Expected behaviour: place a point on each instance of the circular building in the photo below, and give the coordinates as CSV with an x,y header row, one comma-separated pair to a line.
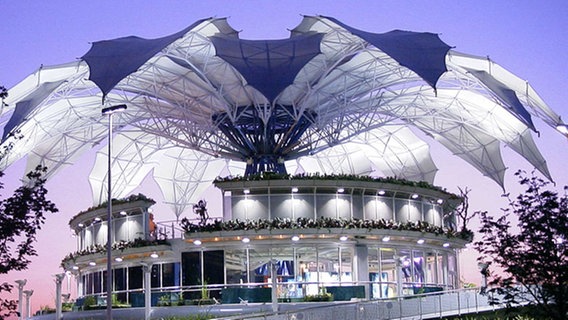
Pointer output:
x,y
310,237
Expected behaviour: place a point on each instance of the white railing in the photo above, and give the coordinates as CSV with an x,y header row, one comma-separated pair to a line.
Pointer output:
x,y
169,230
424,306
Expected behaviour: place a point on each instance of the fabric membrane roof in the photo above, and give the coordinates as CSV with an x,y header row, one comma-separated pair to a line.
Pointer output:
x,y
331,98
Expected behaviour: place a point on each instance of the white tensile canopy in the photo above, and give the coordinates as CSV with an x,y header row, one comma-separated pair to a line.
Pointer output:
x,y
329,99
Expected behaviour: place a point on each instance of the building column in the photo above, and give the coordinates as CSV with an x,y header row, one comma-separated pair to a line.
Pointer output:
x,y
28,294
147,267
361,267
58,281
21,284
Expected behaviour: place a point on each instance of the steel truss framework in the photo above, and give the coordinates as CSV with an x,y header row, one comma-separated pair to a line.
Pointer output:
x,y
194,113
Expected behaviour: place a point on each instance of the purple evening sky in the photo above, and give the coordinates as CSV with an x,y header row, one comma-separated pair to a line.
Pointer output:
x,y
527,37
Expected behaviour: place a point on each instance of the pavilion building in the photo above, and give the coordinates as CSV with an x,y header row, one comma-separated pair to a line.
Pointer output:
x,y
346,236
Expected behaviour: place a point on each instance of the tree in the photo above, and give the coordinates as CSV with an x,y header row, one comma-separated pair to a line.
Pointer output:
x,y
533,258
21,216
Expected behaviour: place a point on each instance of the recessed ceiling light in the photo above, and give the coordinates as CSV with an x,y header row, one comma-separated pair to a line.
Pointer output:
x,y
386,239
197,242
295,238
343,238
245,240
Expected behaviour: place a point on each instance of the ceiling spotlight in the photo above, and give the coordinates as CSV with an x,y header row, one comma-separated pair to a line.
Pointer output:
x,y
118,259
340,190
343,238
295,189
80,225
295,238
75,268
414,196
440,201
381,192
154,255
123,213
197,242
386,239
445,245
92,263
420,241
97,219
245,240
246,191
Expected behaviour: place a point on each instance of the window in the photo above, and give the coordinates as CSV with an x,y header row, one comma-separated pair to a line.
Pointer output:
x,y
135,278
191,268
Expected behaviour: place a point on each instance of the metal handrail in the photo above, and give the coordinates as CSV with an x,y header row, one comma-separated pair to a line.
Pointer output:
x,y
420,306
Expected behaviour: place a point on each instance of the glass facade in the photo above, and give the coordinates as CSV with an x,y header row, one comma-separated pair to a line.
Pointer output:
x,y
348,262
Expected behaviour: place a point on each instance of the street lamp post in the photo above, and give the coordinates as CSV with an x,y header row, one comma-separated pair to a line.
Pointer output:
x,y
58,281
110,111
28,294
21,284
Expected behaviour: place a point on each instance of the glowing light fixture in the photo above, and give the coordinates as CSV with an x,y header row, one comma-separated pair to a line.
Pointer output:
x,y
381,192
245,240
92,263
295,189
386,239
415,196
420,241
154,255
446,245
118,259
197,242
246,191
123,213
343,238
295,238
340,190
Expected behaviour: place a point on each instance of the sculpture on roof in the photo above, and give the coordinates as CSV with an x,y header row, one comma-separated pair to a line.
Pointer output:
x,y
330,99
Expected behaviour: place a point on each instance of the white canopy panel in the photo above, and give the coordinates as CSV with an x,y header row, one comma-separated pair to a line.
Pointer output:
x,y
331,98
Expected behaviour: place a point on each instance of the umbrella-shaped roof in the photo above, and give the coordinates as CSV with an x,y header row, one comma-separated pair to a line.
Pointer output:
x,y
330,98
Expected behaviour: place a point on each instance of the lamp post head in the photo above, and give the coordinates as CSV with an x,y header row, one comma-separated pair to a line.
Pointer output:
x,y
21,283
59,277
28,293
113,109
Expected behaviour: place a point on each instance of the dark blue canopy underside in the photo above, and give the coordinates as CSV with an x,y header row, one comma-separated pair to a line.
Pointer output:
x,y
110,61
422,52
268,65
25,107
507,97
